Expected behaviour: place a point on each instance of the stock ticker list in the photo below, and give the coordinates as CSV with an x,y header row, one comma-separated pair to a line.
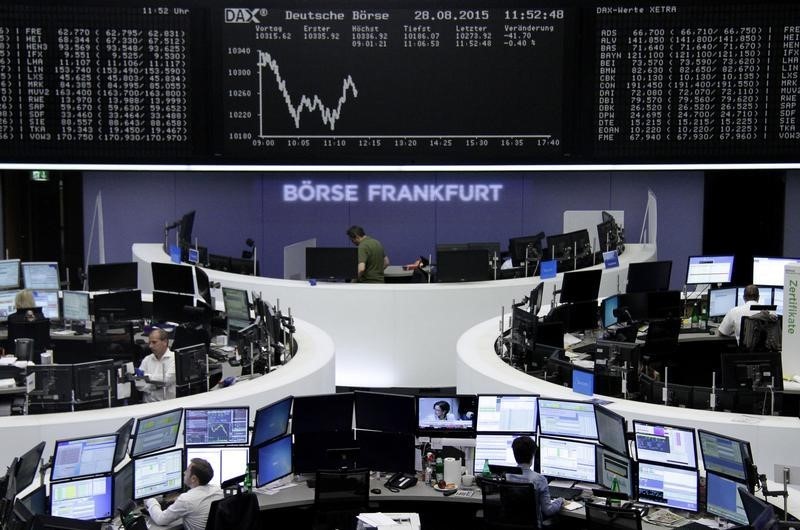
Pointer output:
x,y
698,80
94,80
416,84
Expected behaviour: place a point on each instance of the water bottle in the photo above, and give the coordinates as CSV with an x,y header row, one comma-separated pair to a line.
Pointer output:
x,y
486,471
439,469
615,489
248,479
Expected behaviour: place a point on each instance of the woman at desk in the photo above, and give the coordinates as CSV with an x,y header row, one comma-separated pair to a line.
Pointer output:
x,y
26,310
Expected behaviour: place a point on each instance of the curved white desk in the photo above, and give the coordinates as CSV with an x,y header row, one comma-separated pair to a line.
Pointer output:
x,y
774,440
394,335
311,371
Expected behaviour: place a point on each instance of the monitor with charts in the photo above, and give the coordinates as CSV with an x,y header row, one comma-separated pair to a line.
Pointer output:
x,y
567,459
709,269
83,457
673,487
770,270
41,275
507,413
216,426
724,455
665,444
156,432
85,499
574,419
48,301
9,274
496,449
158,474
723,499
76,306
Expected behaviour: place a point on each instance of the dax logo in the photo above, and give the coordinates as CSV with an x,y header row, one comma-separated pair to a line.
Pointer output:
x,y
242,15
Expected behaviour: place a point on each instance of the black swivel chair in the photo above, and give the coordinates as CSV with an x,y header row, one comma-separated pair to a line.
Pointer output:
x,y
38,330
339,496
239,511
760,333
602,516
510,506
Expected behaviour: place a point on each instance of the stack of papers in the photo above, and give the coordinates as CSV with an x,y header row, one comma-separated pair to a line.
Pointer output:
x,y
664,517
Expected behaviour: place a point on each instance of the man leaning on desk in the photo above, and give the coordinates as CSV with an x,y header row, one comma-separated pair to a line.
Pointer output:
x,y
524,448
191,507
158,369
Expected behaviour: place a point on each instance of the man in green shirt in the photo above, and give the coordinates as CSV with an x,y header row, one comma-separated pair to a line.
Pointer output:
x,y
371,258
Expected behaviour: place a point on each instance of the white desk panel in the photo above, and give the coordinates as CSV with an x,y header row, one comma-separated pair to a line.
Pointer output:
x,y
774,439
395,335
311,371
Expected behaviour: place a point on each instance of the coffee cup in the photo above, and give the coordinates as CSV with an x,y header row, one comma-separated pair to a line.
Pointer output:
x,y
467,480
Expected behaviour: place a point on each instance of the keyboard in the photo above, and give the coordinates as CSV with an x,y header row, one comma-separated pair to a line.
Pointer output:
x,y
566,493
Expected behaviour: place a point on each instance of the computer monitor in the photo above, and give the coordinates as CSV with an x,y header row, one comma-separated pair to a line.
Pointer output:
x,y
76,306
271,421
191,366
612,465
377,411
722,498
156,432
496,449
216,426
323,413
44,275
646,276
158,474
724,455
7,305
391,452
227,462
173,277
568,246
313,451
93,381
123,485
9,274
567,459
85,499
519,246
720,301
607,308
27,466
579,286
751,370
185,226
273,460
770,270
236,307
611,429
673,487
575,419
709,269
53,383
665,444
537,293
113,276
469,265
507,413
123,438
609,235
169,307
446,415
121,305
777,300
36,501
332,263
83,457
760,514
663,304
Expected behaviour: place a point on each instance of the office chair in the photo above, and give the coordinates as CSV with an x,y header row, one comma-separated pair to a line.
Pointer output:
x,y
239,511
758,333
38,330
510,505
339,496
602,516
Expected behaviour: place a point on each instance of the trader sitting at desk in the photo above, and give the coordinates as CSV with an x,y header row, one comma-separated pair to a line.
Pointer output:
x,y
26,308
732,322
524,448
158,368
191,507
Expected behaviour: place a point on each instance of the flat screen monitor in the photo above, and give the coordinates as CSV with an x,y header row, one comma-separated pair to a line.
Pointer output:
x,y
673,487
185,226
121,305
496,448
579,286
665,444
469,265
323,413
537,293
377,411
723,499
271,421
274,460
85,499
48,301
93,380
749,370
777,300
568,246
169,307
123,438
53,383
760,514
7,305
43,275
575,419
9,274
608,235
770,271
610,466
567,459
391,452
216,426
227,462
313,451
507,413
764,295
646,276
36,501
191,366
519,247
446,415
236,303
720,301
123,485
113,276
611,429
76,306
173,278
83,457
332,263
724,455
607,308
663,304
27,466
158,474
709,269
576,317
156,432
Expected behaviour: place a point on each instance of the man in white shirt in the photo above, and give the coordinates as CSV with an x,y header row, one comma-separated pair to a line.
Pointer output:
x,y
159,367
732,322
191,507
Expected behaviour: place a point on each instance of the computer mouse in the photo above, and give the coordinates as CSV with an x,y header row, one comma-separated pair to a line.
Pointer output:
x,y
376,491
